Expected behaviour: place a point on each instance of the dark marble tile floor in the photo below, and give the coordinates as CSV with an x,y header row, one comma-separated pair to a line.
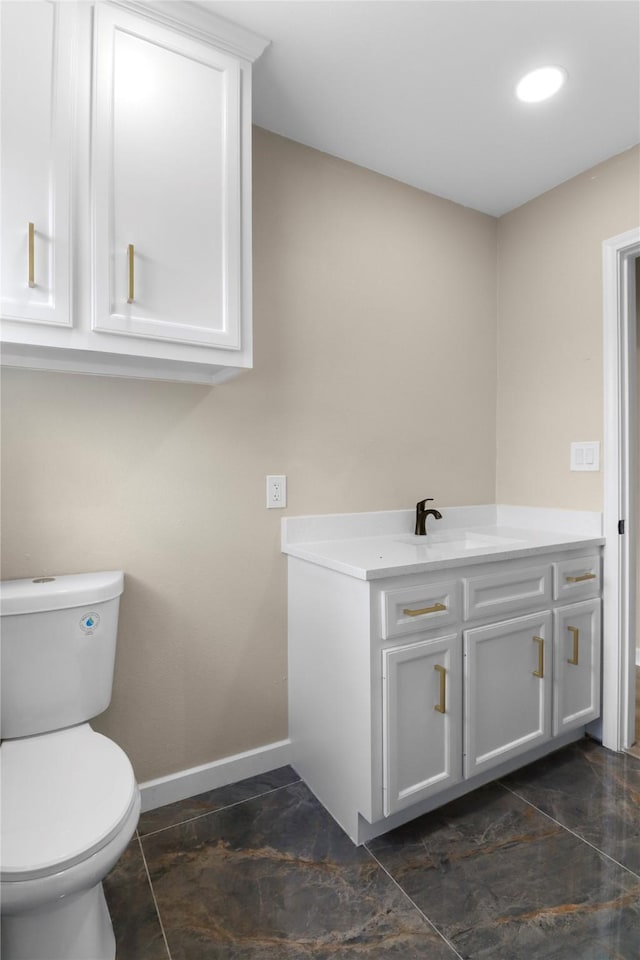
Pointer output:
x,y
204,803
544,865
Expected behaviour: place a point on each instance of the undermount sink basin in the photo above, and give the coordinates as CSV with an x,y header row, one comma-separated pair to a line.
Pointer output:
x,y
456,541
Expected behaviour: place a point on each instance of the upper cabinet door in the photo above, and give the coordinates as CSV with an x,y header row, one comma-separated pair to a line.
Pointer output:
x,y
37,56
166,159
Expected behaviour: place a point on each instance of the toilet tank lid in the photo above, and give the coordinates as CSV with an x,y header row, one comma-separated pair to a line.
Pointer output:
x,y
40,594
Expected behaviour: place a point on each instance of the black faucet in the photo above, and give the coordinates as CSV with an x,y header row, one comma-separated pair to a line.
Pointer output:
x,y
421,517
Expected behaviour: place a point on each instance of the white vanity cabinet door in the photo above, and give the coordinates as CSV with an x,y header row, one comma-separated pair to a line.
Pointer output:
x,y
508,703
37,57
166,161
577,642
422,720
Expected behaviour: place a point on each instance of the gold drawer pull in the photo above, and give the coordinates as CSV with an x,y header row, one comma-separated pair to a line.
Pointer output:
x,y
585,576
130,252
576,638
32,256
442,706
436,608
540,671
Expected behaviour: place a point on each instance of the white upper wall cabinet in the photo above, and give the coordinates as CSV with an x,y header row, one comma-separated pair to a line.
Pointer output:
x,y
159,199
166,182
36,135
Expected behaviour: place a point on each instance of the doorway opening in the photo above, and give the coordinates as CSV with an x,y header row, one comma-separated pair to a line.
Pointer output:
x,y
621,426
635,480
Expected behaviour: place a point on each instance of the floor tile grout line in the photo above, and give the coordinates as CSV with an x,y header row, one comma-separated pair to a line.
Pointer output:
x,y
569,830
153,895
228,806
413,903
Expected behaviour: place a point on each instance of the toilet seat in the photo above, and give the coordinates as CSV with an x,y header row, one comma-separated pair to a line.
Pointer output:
x,y
65,795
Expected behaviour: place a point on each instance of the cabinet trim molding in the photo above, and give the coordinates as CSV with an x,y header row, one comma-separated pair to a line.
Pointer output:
x,y
201,24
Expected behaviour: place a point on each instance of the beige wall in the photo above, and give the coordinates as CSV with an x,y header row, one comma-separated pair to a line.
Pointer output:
x,y
550,384
374,386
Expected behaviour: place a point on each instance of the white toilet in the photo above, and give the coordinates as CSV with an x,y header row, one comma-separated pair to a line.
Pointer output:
x,y
70,803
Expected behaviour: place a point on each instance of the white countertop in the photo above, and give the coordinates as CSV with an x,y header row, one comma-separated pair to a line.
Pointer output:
x,y
394,553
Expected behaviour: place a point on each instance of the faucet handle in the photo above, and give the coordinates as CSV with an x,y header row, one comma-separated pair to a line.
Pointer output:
x,y
420,504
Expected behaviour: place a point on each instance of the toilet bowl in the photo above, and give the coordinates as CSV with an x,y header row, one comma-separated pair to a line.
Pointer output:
x,y
69,799
70,806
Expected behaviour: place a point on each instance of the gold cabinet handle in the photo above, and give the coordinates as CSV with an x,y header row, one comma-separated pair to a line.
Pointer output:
x,y
540,671
130,253
436,608
585,576
32,255
442,706
576,638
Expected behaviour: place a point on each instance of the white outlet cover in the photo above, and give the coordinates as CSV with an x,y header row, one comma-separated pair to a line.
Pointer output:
x,y
276,492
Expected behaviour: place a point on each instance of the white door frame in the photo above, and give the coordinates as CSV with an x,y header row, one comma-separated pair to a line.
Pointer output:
x,y
620,427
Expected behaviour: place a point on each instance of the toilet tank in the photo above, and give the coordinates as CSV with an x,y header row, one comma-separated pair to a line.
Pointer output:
x,y
57,650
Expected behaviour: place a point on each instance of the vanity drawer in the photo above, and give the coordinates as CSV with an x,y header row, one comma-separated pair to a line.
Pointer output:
x,y
577,579
512,591
425,607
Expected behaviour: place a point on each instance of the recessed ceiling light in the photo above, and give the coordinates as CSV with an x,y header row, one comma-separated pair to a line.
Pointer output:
x,y
540,84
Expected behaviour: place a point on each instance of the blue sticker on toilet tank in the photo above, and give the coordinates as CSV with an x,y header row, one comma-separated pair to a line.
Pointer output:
x,y
89,623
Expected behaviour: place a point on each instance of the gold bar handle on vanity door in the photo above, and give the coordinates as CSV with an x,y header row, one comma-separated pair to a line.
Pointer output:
x,y
585,576
32,255
442,706
576,638
436,608
130,252
540,671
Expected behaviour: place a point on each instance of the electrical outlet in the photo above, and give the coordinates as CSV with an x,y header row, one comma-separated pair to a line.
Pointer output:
x,y
276,492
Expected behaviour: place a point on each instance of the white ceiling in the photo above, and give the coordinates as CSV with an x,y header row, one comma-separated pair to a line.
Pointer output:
x,y
423,90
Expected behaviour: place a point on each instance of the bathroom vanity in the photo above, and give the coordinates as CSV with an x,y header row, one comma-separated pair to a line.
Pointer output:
x,y
422,667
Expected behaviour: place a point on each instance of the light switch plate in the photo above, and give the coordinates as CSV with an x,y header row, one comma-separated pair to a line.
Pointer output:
x,y
585,455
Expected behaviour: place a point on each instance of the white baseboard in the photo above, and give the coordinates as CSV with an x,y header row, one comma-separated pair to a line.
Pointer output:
x,y
189,783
